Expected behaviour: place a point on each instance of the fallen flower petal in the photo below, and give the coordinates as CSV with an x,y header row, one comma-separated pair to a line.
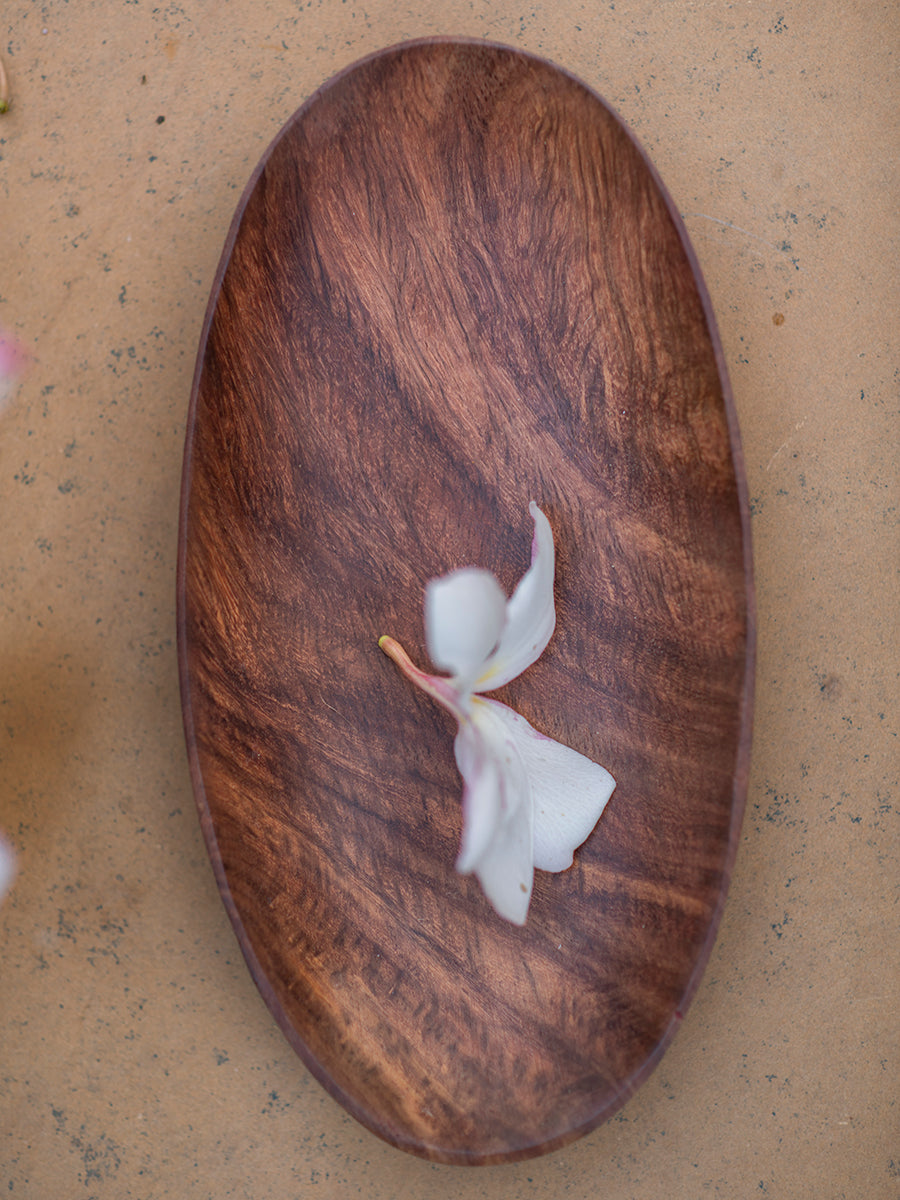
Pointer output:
x,y
465,613
12,364
568,791
530,613
528,801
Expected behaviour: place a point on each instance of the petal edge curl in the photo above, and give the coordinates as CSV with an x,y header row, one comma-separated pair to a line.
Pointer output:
x,y
530,613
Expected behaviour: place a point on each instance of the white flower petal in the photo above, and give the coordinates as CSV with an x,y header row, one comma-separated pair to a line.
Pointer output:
x,y
506,874
530,613
464,615
497,812
482,801
569,792
528,801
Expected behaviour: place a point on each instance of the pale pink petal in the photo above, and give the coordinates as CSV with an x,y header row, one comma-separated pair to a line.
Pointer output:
x,y
12,356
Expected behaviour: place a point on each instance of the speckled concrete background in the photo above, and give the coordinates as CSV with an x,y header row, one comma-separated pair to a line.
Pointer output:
x,y
137,1059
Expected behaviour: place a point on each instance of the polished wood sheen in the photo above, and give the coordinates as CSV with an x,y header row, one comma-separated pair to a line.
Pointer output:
x,y
455,284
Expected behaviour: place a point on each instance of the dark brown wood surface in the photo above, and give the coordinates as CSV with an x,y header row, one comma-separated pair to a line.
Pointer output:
x,y
455,285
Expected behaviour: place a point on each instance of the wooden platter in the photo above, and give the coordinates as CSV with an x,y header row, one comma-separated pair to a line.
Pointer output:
x,y
453,285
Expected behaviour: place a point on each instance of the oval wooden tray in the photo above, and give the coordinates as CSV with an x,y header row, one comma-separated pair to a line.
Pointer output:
x,y
455,284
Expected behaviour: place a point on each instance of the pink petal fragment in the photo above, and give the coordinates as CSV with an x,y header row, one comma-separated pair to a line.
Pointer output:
x,y
12,363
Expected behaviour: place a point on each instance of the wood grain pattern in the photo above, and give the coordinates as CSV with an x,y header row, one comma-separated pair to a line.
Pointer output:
x,y
454,285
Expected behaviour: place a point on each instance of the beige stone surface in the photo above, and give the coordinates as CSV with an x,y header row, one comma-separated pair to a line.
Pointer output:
x,y
136,1056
